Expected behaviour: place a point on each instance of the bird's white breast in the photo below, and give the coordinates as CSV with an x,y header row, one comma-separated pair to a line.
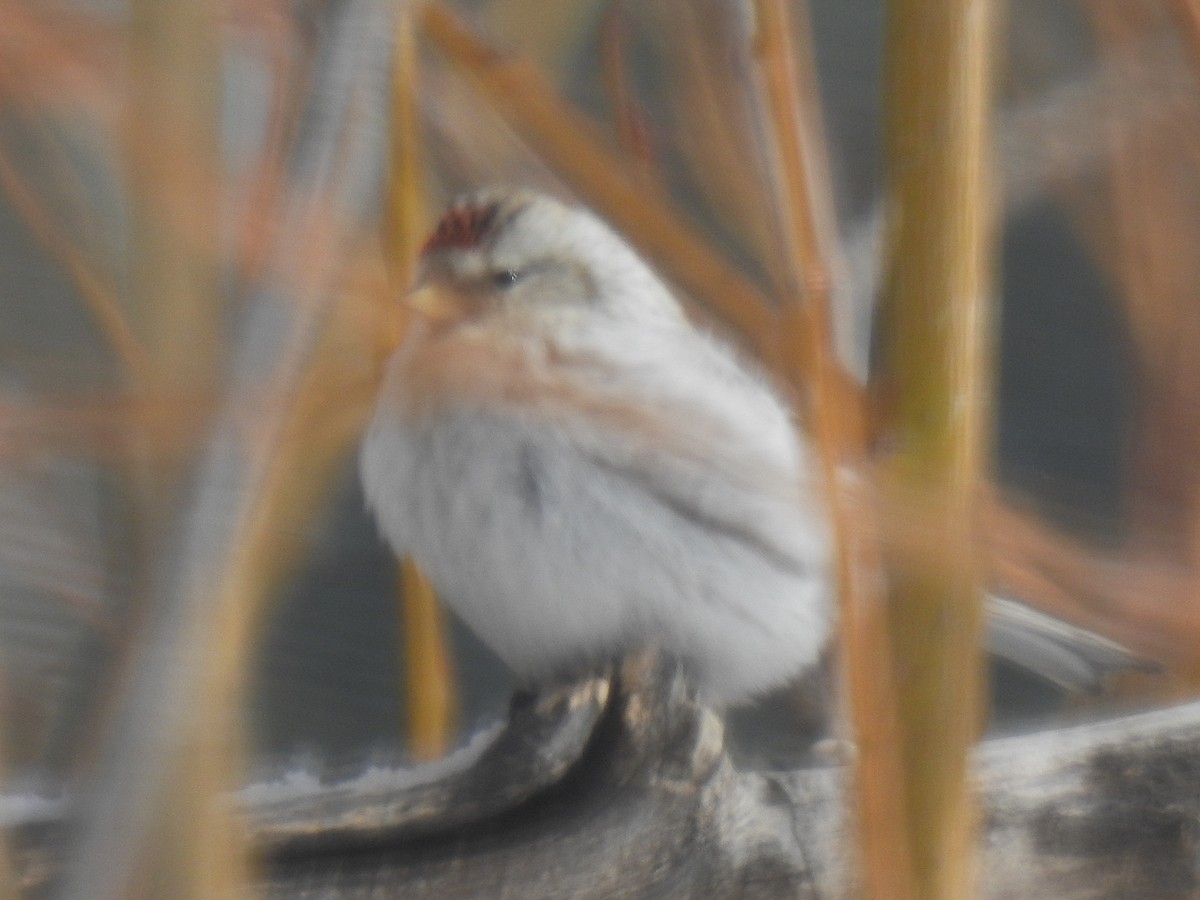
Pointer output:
x,y
561,543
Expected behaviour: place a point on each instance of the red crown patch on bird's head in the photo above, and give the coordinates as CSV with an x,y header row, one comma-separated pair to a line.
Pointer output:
x,y
463,227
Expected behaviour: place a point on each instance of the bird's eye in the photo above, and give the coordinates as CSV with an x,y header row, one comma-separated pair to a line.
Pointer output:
x,y
505,278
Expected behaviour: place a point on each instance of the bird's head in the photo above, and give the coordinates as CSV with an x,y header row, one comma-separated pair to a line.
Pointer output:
x,y
525,262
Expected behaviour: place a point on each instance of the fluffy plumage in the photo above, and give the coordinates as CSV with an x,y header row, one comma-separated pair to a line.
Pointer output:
x,y
580,470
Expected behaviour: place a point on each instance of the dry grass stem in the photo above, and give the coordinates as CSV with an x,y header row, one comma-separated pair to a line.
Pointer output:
x,y
59,61
273,443
633,131
711,109
550,34
576,152
1148,603
99,297
1141,235
430,691
1156,208
432,699
808,359
934,405
171,141
291,69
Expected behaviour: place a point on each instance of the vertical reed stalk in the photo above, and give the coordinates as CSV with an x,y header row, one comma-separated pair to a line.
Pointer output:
x,y
802,180
571,146
432,701
173,164
98,297
628,117
429,680
172,152
933,403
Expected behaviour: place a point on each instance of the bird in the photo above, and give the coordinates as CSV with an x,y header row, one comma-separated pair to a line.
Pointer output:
x,y
581,471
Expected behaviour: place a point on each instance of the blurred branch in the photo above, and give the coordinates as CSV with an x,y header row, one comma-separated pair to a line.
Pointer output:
x,y
934,413
54,60
51,59
1061,135
629,118
1148,603
406,218
553,35
571,145
255,481
808,359
625,789
1146,243
707,110
100,299
171,146
1105,810
289,60
431,694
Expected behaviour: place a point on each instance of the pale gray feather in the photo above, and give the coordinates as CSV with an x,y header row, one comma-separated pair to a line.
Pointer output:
x,y
1071,657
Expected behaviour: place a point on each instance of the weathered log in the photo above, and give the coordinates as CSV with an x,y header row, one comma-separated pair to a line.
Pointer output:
x,y
624,789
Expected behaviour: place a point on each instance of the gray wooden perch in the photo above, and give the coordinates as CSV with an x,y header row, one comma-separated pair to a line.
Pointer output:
x,y
623,788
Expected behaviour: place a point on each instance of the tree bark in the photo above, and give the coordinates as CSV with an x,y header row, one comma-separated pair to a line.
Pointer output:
x,y
623,788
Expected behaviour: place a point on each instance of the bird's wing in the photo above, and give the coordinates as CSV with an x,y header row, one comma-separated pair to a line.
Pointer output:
x,y
1063,654
705,438
672,411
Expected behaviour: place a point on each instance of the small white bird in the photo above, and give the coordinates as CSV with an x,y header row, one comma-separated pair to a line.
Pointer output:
x,y
581,471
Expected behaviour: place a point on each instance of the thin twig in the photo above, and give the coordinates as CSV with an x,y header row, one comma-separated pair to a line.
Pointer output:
x,y
628,116
571,146
430,690
257,476
808,358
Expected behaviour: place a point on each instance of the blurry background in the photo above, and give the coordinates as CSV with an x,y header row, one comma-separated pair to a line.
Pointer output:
x,y
104,435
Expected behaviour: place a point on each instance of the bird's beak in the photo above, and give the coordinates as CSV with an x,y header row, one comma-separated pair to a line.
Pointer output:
x,y
436,304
